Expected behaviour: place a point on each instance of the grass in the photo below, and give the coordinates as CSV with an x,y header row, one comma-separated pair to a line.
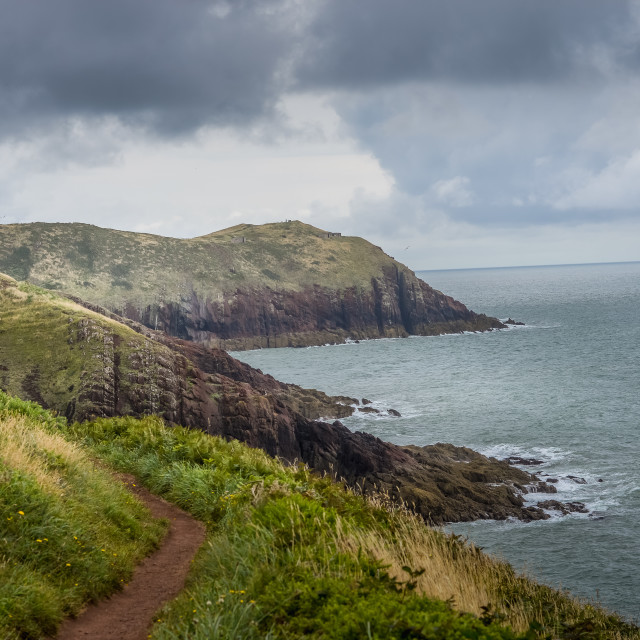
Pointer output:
x,y
288,554
63,355
69,534
78,259
292,555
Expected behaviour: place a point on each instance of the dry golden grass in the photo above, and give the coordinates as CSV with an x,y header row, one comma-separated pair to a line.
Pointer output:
x,y
470,579
36,452
418,547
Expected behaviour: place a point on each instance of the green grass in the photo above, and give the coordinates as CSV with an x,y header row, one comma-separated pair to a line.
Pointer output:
x,y
292,555
69,534
62,354
288,554
79,259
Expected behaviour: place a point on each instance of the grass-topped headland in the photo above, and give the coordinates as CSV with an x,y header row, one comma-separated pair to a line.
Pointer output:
x,y
87,363
289,554
280,284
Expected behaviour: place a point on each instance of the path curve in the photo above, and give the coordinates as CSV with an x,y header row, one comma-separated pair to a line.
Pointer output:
x,y
128,614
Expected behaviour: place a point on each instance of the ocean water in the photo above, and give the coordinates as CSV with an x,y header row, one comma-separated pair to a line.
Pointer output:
x,y
564,388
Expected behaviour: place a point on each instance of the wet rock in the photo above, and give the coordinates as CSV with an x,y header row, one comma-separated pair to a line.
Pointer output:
x,y
523,461
393,412
539,487
597,515
577,479
365,401
563,507
554,480
368,410
514,322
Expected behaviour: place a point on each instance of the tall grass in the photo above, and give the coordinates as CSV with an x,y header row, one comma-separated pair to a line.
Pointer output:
x,y
69,534
292,555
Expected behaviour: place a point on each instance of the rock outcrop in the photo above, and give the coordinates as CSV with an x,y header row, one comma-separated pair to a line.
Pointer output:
x,y
86,364
285,284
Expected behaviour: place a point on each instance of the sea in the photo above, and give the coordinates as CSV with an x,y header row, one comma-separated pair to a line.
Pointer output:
x,y
564,389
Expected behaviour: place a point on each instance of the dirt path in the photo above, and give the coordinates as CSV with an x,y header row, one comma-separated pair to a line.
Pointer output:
x,y
127,615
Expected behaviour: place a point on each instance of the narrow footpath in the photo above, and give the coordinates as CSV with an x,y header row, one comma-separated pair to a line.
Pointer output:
x,y
128,614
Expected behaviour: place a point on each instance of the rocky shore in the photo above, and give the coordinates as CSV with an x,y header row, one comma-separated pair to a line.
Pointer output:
x,y
83,362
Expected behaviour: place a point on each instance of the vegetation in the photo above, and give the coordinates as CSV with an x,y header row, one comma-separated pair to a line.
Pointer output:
x,y
79,259
69,534
293,555
288,554
61,354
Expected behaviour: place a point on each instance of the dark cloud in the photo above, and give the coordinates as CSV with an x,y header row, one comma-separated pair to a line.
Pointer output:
x,y
172,65
356,44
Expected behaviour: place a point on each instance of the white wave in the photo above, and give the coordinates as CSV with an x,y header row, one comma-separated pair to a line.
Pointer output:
x,y
548,455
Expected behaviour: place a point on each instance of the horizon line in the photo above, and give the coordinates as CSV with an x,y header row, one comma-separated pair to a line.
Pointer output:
x,y
533,266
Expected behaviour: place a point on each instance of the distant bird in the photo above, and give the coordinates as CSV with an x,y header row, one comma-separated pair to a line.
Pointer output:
x,y
407,247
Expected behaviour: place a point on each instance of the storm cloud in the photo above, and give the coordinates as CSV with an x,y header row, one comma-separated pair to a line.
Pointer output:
x,y
464,118
356,44
168,66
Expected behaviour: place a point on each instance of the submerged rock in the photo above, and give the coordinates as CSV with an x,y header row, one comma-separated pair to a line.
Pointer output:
x,y
368,410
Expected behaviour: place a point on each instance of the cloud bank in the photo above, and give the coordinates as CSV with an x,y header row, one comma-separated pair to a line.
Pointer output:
x,y
410,122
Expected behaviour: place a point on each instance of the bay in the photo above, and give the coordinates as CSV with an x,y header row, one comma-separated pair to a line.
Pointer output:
x,y
564,389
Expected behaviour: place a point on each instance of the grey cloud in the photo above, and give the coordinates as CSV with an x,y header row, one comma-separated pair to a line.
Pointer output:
x,y
516,155
356,44
169,65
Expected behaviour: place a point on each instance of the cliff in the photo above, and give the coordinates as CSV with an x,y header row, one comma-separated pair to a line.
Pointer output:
x,y
86,364
284,284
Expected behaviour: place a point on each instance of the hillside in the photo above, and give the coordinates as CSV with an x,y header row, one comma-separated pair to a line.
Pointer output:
x,y
84,364
288,554
281,284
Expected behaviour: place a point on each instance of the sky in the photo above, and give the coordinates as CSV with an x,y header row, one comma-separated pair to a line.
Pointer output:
x,y
452,133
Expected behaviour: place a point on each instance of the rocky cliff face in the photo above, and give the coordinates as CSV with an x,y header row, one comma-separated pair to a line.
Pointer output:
x,y
285,284
397,304
84,364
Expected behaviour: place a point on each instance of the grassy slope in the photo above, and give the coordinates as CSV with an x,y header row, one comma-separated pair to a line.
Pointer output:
x,y
39,337
109,267
69,534
291,555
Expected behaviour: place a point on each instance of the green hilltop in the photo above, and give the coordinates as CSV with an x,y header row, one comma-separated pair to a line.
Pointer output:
x,y
111,267
280,284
